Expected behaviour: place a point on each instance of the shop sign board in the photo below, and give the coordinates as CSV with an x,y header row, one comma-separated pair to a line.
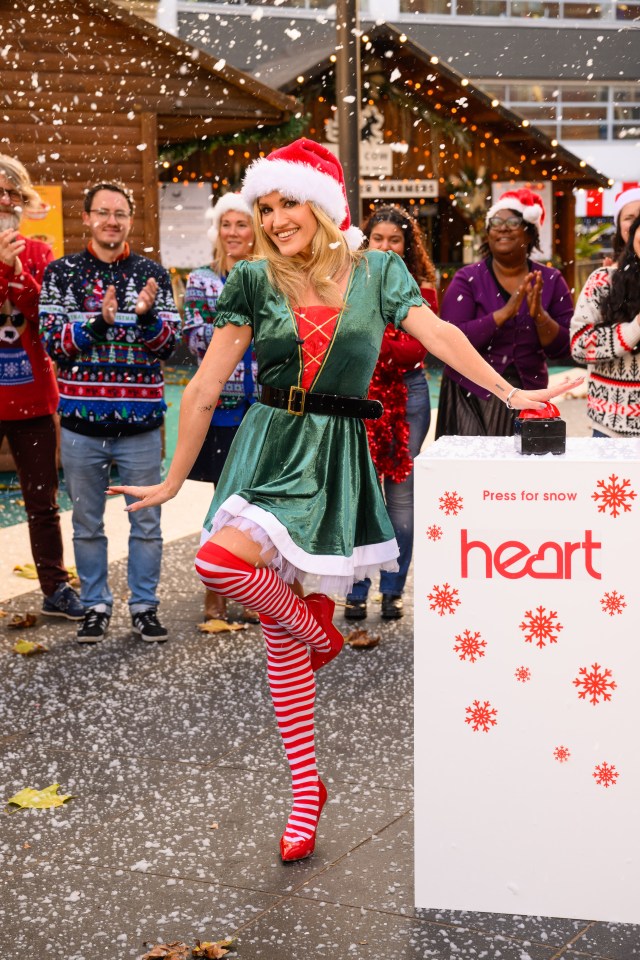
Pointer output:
x,y
397,189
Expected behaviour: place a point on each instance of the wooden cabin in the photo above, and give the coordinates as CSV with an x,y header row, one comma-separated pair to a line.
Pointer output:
x,y
433,141
91,92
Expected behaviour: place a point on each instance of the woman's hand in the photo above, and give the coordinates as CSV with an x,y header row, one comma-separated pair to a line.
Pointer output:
x,y
536,399
534,296
146,496
514,302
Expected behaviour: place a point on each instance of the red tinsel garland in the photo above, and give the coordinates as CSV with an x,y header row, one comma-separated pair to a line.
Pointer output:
x,y
389,436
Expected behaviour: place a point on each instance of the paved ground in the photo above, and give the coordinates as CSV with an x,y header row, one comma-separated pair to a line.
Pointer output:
x,y
181,793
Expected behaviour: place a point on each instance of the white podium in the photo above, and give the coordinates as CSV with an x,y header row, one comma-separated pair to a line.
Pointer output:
x,y
527,679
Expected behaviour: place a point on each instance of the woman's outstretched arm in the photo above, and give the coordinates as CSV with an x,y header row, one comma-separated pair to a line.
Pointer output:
x,y
452,347
198,403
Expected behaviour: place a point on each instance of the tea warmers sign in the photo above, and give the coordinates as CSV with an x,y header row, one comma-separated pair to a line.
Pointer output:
x,y
527,679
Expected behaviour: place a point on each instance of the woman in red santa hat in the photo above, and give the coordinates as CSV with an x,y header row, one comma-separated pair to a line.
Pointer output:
x,y
299,496
515,312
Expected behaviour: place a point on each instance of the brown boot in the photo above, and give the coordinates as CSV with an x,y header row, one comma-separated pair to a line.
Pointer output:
x,y
215,606
249,616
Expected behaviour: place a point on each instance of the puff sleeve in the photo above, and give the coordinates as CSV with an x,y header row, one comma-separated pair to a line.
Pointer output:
x,y
235,303
398,290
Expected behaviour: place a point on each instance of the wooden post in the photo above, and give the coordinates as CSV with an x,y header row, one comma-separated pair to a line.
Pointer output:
x,y
151,212
348,99
565,233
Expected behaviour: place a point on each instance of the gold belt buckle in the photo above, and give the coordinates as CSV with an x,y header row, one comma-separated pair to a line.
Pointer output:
x,y
295,405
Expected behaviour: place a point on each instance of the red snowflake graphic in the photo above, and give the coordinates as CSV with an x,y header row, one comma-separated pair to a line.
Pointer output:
x,y
613,603
451,503
481,716
562,754
434,532
444,599
541,627
595,684
613,495
605,774
522,674
470,646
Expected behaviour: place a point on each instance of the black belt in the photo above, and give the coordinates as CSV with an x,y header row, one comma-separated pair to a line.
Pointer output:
x,y
298,401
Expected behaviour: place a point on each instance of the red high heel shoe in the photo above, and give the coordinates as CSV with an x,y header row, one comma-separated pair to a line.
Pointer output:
x,y
299,849
322,607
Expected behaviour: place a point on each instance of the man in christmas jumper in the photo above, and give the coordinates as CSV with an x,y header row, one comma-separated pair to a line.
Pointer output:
x,y
108,319
28,391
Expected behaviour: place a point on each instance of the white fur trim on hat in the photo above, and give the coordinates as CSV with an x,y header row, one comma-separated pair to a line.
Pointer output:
x,y
354,237
227,202
298,181
627,196
532,213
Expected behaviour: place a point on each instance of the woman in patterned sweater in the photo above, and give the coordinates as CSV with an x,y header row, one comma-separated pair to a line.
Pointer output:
x,y
232,238
605,335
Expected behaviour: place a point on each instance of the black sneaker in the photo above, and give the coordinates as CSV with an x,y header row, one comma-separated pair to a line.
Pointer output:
x,y
392,607
94,627
65,602
355,610
148,627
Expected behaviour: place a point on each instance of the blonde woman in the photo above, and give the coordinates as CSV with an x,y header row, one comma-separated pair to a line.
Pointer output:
x,y
299,495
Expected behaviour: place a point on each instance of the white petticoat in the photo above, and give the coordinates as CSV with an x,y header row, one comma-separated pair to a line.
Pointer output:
x,y
289,571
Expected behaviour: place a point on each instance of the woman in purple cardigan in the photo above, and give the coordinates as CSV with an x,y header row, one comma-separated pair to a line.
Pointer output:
x,y
515,313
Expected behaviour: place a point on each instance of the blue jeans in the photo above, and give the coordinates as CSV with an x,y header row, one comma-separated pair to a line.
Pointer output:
x,y
86,462
399,496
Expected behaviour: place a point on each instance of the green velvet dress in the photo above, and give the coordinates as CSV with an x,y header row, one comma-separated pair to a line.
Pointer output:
x,y
305,485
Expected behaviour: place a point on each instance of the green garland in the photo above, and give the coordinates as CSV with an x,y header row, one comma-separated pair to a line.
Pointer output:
x,y
281,133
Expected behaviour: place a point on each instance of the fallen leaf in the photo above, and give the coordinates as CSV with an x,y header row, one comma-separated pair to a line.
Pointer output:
x,y
27,570
220,626
214,826
28,647
177,950
20,622
3,613
40,799
212,951
362,639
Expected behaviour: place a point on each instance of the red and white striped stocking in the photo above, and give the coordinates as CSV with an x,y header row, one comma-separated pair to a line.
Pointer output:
x,y
293,690
260,589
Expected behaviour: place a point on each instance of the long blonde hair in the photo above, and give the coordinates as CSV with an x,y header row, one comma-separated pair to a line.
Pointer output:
x,y
16,174
330,256
219,258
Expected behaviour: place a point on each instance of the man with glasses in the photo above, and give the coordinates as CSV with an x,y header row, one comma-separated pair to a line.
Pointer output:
x,y
28,391
108,319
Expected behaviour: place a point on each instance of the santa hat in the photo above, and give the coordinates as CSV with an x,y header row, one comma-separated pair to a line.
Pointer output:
x,y
304,171
627,196
523,201
226,203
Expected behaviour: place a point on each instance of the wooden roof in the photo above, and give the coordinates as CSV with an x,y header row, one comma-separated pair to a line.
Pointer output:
x,y
463,103
57,50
